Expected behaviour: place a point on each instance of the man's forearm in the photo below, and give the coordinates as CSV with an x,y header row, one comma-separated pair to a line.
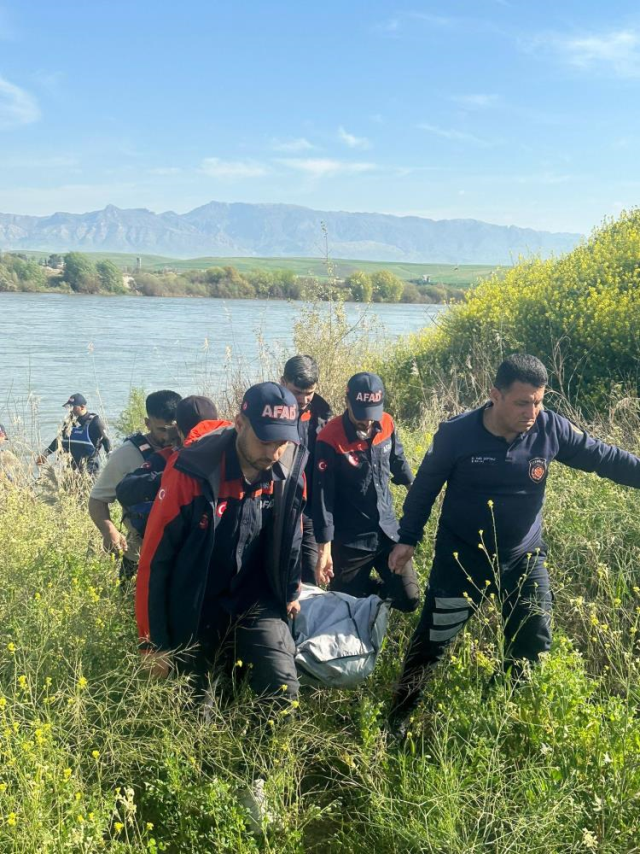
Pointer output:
x,y
100,515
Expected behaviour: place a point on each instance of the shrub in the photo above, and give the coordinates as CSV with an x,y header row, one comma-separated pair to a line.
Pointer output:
x,y
579,313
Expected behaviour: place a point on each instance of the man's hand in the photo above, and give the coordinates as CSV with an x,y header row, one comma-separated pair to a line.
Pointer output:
x,y
324,566
157,663
113,540
399,557
293,609
41,459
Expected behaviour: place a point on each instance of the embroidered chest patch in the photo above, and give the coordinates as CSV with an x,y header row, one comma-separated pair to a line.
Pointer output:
x,y
537,469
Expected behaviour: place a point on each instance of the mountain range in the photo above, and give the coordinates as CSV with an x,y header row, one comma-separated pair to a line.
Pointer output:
x,y
276,230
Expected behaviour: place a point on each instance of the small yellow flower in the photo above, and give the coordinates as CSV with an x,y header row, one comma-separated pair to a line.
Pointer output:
x,y
82,682
3,787
66,773
12,819
455,554
284,687
239,663
11,647
490,503
3,702
22,682
118,826
149,825
78,796
80,817
95,754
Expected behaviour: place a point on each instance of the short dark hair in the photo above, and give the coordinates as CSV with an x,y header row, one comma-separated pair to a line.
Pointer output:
x,y
523,368
162,404
302,371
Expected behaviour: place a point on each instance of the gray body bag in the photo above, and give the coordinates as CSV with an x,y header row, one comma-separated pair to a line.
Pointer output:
x,y
337,637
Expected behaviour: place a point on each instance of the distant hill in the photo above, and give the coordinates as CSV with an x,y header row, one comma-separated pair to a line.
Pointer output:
x,y
246,230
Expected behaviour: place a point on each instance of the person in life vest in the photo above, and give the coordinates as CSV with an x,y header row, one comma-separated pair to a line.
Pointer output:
x,y
161,432
300,376
357,455
81,437
494,461
195,417
219,570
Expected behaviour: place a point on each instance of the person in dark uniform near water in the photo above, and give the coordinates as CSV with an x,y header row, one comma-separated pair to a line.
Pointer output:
x,y
300,377
494,461
81,437
357,455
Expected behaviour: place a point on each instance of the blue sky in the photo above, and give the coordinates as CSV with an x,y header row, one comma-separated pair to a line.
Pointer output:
x,y
522,113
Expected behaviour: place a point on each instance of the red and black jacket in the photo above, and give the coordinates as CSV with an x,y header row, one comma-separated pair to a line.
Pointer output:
x,y
310,423
352,501
176,554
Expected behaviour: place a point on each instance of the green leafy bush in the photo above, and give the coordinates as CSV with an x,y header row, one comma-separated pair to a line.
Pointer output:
x,y
579,313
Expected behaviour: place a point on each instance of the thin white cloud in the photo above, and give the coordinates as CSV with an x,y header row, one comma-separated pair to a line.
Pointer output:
x,y
324,167
215,167
478,101
291,146
353,141
454,135
617,51
27,161
165,170
17,106
390,27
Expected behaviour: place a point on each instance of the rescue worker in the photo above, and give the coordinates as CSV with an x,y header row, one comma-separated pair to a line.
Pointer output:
x,y
81,437
494,461
300,376
357,454
219,569
195,416
161,433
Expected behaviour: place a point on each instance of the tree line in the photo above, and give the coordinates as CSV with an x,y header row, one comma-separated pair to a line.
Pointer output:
x,y
78,273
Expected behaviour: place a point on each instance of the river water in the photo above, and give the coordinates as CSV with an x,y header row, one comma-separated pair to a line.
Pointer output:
x,y
54,345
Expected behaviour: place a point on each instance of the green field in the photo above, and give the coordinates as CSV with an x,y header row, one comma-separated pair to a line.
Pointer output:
x,y
461,276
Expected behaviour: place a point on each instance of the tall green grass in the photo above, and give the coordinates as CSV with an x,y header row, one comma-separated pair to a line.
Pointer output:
x,y
96,756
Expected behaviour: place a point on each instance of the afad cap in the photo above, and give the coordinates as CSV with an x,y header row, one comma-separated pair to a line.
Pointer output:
x,y
272,412
76,400
365,393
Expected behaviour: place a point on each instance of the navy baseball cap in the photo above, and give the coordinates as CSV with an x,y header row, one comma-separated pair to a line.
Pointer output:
x,y
194,409
365,393
3,432
272,412
76,400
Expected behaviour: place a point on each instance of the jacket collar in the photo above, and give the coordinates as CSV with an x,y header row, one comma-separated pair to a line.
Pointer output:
x,y
350,430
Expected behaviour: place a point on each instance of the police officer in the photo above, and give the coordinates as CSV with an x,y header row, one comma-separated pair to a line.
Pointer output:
x,y
357,454
219,569
300,377
81,437
494,461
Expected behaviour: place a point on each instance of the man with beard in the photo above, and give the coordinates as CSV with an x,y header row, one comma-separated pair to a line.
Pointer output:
x,y
219,569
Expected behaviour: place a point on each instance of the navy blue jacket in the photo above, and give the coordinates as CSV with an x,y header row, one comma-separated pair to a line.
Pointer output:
x,y
491,481
352,502
310,423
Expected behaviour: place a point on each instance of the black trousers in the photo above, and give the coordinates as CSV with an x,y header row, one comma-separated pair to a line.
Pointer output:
x,y
257,646
308,552
352,574
458,584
